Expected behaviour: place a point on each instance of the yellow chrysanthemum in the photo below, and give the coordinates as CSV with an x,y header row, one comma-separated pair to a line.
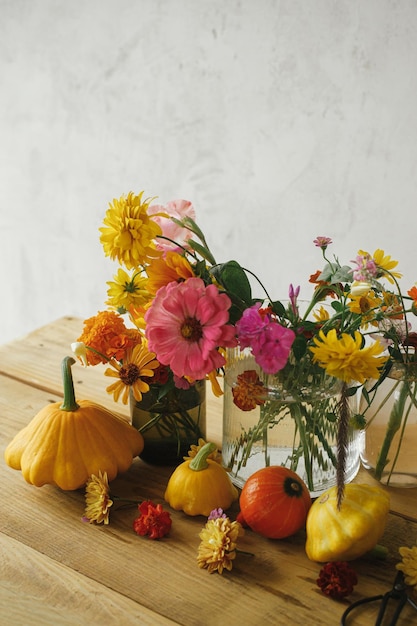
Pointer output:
x,y
140,363
215,455
217,549
365,305
137,314
344,357
97,499
129,232
125,291
408,565
171,268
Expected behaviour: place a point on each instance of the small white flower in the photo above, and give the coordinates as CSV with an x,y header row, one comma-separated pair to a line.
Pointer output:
x,y
79,349
359,288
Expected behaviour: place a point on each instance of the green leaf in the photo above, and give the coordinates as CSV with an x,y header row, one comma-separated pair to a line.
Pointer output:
x,y
299,346
202,250
233,279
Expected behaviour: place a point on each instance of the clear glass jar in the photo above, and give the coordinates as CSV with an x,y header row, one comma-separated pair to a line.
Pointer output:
x,y
296,426
389,442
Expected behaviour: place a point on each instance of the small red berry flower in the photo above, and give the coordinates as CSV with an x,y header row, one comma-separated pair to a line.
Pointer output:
x,y
337,579
152,521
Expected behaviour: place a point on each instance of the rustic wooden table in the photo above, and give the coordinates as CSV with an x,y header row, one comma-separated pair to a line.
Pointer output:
x,y
57,570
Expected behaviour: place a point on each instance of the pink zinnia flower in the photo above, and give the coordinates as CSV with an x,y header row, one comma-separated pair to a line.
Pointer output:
x,y
272,347
178,209
322,242
186,325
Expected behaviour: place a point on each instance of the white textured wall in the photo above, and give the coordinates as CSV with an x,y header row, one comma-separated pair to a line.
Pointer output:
x,y
280,119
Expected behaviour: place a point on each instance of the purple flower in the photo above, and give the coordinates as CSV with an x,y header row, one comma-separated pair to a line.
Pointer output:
x,y
216,514
293,295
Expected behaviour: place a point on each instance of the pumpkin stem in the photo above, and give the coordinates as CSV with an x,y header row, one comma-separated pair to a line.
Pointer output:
x,y
69,403
199,462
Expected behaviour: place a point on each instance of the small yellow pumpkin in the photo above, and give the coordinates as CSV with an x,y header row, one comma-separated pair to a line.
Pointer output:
x,y
67,442
348,532
200,485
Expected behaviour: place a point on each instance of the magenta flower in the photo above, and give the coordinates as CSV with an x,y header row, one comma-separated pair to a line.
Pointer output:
x,y
250,325
186,325
322,242
272,347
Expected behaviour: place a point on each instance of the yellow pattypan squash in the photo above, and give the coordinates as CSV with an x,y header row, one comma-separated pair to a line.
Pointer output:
x,y
200,485
348,532
67,442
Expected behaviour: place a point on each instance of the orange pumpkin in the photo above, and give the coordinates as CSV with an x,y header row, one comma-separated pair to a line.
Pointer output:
x,y
274,502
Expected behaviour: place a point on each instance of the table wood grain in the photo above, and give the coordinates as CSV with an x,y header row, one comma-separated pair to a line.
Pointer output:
x,y
55,569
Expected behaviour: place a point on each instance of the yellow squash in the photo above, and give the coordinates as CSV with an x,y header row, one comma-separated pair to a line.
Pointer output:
x,y
67,442
200,485
347,533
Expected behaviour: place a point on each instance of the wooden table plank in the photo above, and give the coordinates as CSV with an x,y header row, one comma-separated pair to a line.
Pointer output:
x,y
41,592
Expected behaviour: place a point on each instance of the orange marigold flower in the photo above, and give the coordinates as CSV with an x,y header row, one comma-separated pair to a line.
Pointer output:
x,y
413,294
106,337
173,267
249,391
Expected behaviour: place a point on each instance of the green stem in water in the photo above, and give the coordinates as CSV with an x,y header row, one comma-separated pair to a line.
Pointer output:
x,y
69,403
394,424
199,462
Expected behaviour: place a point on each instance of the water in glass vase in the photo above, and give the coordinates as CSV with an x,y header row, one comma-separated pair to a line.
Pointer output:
x,y
171,423
389,442
296,429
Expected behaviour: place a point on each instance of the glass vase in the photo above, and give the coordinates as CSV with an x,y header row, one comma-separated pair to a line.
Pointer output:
x,y
170,424
296,425
389,442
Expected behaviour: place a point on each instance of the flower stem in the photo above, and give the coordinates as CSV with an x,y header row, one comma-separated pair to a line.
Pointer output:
x,y
394,424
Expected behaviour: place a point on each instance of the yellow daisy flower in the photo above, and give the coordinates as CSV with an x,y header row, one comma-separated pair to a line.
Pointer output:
x,y
125,291
365,305
385,264
97,499
129,232
217,549
345,358
408,565
140,363
321,315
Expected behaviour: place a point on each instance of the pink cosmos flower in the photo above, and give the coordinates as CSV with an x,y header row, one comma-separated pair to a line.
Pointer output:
x,y
272,347
186,325
177,209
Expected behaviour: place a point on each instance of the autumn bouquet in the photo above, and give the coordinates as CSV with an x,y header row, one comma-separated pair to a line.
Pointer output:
x,y
174,312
